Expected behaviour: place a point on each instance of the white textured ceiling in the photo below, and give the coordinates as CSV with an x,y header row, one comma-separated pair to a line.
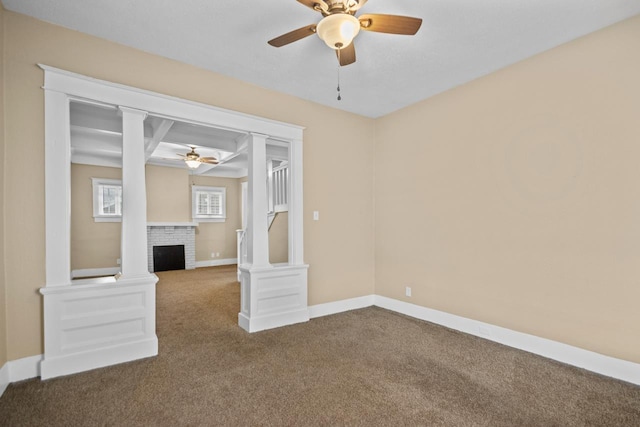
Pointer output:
x,y
460,40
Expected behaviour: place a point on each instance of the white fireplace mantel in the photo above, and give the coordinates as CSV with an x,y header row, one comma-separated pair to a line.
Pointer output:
x,y
172,224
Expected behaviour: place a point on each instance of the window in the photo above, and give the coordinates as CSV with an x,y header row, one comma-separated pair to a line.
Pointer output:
x,y
209,204
107,200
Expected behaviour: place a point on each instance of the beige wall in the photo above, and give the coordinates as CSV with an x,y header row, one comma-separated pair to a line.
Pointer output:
x,y
218,237
279,238
93,244
97,244
511,200
168,194
3,306
340,267
515,199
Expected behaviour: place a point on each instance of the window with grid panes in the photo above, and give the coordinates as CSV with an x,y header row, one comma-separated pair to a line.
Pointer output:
x,y
107,200
209,203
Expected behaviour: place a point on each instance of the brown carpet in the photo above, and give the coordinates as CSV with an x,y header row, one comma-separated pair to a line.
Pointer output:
x,y
364,367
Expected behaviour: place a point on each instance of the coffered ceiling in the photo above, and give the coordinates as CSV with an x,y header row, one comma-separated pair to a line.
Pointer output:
x,y
96,139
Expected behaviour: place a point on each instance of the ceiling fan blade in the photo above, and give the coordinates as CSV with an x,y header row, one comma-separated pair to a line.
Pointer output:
x,y
293,36
181,155
209,160
390,24
347,55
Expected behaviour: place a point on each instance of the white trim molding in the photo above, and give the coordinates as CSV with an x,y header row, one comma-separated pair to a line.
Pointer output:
x,y
216,262
4,378
19,370
340,306
85,88
94,272
579,357
575,356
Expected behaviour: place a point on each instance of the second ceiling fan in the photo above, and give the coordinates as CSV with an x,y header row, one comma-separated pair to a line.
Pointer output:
x,y
193,159
339,26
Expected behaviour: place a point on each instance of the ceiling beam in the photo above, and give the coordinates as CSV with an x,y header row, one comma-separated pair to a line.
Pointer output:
x,y
241,143
160,130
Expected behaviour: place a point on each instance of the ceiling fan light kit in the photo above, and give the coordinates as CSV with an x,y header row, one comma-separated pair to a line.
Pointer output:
x,y
339,30
192,164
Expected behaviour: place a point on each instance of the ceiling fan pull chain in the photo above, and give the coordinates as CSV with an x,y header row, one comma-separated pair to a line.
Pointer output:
x,y
339,97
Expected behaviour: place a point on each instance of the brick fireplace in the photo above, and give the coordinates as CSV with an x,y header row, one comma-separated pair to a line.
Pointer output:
x,y
173,233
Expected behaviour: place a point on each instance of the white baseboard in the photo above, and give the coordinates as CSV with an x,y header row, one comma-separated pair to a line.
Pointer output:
x,y
93,359
575,356
257,324
19,370
216,262
334,307
95,272
4,378
595,362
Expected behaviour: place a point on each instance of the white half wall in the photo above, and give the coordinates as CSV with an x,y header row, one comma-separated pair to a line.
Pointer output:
x,y
98,322
272,297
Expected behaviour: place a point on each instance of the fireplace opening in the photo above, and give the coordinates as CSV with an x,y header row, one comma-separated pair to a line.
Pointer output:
x,y
167,258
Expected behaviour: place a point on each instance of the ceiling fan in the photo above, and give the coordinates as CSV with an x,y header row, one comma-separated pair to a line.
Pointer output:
x,y
339,26
193,159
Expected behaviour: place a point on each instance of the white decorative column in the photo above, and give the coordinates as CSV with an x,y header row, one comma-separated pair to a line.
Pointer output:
x,y
134,198
272,296
258,226
57,188
296,214
102,321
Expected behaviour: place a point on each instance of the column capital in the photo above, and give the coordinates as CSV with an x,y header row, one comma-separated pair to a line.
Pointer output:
x,y
258,135
129,110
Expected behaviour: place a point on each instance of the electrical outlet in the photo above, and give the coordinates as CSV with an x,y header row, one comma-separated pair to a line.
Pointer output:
x,y
316,215
407,291
217,254
213,254
118,261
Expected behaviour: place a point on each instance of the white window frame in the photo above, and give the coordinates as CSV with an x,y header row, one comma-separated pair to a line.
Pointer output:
x,y
99,216
222,191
